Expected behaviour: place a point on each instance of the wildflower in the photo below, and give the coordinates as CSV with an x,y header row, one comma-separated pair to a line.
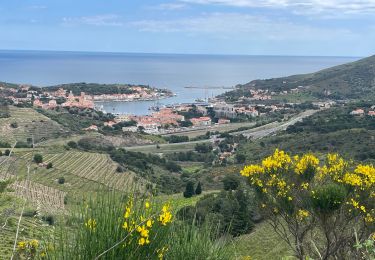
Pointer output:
x,y
143,231
166,216
302,214
149,223
147,205
141,241
91,224
22,245
34,243
127,212
161,252
305,185
307,162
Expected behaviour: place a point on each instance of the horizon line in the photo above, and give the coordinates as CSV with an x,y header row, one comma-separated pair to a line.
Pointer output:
x,y
179,54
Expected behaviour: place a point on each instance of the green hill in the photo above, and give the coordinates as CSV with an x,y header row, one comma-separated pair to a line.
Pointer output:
x,y
349,81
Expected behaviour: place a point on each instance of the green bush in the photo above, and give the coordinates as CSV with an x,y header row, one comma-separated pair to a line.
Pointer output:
x,y
328,198
38,158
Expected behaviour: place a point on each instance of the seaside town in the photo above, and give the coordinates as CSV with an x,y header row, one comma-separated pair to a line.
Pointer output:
x,y
166,119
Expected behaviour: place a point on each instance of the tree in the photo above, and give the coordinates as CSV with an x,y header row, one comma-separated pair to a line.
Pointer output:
x,y
38,158
7,152
311,204
241,158
61,180
72,144
198,190
49,165
231,182
189,190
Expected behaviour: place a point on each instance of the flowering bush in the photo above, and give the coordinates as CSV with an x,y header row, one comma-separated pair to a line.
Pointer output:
x,y
116,228
313,204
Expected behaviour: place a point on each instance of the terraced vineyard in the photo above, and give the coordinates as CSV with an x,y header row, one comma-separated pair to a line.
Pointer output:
x,y
46,197
30,123
92,167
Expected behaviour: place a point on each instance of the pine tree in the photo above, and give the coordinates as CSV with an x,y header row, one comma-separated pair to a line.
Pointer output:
x,y
189,190
198,190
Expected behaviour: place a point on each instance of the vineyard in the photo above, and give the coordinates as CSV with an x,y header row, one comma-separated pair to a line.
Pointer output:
x,y
91,167
25,123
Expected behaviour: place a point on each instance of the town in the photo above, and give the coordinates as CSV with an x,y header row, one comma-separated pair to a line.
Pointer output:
x,y
175,118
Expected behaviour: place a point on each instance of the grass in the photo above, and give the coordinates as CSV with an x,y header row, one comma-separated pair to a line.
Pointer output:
x,y
30,227
261,244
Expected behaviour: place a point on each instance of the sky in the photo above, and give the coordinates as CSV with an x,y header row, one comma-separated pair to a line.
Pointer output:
x,y
250,27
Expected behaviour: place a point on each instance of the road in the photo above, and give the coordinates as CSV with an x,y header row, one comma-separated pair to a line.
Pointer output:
x,y
260,132
255,133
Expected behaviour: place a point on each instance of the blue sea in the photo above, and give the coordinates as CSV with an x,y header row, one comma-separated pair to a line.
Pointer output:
x,y
172,71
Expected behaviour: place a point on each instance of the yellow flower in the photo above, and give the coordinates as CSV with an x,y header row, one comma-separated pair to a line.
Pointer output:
x,y
125,226
22,245
149,223
308,161
141,241
302,214
305,185
166,216
127,212
147,205
91,224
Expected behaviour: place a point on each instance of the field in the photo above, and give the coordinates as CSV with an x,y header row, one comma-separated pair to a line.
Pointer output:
x,y
29,123
166,148
219,128
90,166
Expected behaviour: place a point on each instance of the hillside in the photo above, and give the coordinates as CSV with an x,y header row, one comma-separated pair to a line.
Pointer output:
x,y
349,81
331,130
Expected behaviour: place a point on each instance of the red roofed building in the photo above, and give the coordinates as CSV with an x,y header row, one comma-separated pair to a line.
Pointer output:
x,y
371,113
357,112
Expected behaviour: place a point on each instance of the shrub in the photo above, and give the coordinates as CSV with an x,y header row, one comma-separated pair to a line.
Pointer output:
x,y
198,190
61,180
38,158
49,219
49,165
7,152
14,125
72,144
231,182
231,212
103,226
189,190
302,197
173,167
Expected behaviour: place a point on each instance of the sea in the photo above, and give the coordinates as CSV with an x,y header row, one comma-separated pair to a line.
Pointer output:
x,y
190,77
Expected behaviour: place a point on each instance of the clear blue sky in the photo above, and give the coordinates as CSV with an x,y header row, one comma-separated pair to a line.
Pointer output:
x,y
273,27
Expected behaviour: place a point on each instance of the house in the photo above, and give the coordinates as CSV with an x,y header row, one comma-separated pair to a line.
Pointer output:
x,y
357,112
371,113
150,127
201,121
37,103
224,110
